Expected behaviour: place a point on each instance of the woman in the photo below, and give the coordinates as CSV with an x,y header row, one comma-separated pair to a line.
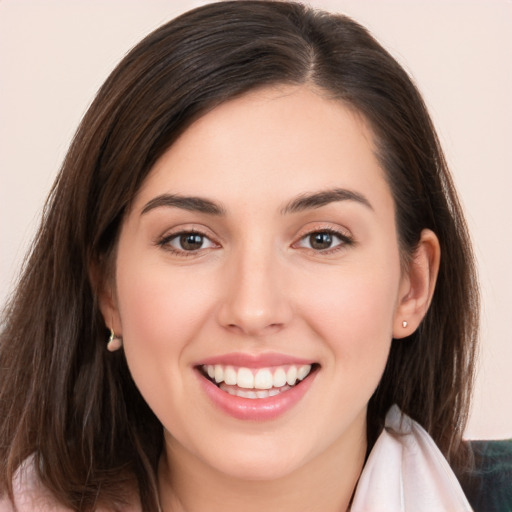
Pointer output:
x,y
254,251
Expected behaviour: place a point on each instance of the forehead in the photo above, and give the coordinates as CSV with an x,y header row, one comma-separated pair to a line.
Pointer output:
x,y
272,143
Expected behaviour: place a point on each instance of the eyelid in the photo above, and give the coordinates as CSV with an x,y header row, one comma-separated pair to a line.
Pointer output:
x,y
187,227
178,236
343,234
164,240
316,227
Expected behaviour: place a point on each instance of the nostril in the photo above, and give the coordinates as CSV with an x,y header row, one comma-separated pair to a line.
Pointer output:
x,y
235,328
254,330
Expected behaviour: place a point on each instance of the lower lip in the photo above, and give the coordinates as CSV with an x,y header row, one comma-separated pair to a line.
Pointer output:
x,y
256,409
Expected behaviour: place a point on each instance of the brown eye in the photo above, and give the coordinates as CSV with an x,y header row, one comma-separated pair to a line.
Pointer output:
x,y
320,241
187,242
324,241
191,241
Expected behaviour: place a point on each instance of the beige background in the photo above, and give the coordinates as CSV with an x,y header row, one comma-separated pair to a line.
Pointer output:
x,y
55,54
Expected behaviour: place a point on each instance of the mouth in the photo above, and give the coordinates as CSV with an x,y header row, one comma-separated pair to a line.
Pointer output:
x,y
257,383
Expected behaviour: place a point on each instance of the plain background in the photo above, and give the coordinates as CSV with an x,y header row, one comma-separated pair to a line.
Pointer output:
x,y
54,55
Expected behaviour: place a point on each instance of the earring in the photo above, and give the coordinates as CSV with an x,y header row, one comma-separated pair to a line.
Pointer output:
x,y
114,342
404,324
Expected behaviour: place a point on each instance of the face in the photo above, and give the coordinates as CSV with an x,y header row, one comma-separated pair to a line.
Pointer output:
x,y
261,253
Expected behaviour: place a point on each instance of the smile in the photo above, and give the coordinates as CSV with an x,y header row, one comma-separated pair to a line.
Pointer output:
x,y
256,389
256,383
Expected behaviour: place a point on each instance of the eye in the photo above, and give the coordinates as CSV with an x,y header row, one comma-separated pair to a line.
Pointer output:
x,y
187,242
323,240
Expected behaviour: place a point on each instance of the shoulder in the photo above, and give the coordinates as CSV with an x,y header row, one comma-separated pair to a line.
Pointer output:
x,y
489,486
30,495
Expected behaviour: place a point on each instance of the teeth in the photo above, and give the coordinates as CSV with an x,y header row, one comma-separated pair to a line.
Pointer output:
x,y
219,373
245,378
291,375
245,393
263,379
230,376
303,371
279,379
248,394
260,379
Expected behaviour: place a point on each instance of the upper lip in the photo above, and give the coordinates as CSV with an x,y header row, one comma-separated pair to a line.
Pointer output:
x,y
254,360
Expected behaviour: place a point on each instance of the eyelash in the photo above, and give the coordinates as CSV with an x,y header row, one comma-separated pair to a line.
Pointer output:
x,y
344,241
166,240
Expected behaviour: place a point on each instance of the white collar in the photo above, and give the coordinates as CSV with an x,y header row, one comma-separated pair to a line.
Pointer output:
x,y
406,472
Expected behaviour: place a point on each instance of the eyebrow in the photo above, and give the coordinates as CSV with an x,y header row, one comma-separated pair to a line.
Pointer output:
x,y
191,203
323,198
301,203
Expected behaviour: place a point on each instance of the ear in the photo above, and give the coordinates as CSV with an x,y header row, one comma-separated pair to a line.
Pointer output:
x,y
107,301
417,285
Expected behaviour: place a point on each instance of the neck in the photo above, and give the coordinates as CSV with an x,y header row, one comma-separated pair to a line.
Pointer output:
x,y
323,484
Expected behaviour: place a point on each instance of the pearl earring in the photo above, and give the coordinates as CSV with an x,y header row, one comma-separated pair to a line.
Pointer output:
x,y
114,342
404,324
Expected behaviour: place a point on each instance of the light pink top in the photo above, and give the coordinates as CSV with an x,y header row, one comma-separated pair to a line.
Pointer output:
x,y
31,496
405,472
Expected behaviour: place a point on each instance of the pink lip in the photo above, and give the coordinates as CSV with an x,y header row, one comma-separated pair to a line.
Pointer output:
x,y
254,361
259,409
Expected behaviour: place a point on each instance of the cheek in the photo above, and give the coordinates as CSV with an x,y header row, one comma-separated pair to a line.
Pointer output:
x,y
157,296
160,312
353,313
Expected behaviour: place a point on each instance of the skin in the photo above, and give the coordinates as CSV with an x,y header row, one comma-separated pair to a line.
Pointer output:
x,y
257,285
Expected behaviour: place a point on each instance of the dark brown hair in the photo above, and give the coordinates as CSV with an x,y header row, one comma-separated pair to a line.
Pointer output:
x,y
72,405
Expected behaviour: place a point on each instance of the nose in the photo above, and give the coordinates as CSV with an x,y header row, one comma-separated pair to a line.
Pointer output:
x,y
254,302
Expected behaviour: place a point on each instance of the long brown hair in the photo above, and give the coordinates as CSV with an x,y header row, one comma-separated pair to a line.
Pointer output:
x,y
72,405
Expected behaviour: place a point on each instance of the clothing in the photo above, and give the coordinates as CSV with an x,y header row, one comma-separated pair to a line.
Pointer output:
x,y
489,487
405,472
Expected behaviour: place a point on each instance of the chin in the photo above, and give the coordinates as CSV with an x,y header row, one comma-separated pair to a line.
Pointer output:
x,y
253,468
